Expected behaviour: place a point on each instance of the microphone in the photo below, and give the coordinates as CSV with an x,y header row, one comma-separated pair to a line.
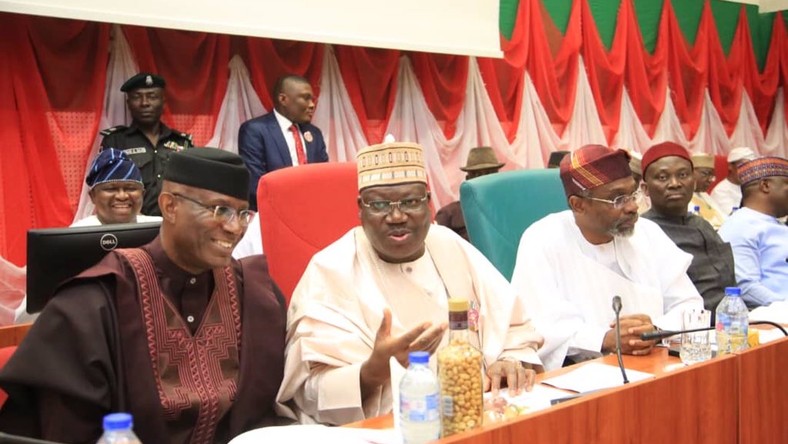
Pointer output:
x,y
662,334
617,310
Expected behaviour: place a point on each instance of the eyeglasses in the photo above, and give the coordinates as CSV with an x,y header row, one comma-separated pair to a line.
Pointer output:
x,y
410,205
705,173
222,213
620,201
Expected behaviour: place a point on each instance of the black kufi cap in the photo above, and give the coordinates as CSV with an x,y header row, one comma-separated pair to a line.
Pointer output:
x,y
143,80
210,169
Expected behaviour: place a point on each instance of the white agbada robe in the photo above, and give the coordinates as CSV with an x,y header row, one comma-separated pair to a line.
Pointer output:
x,y
727,195
568,283
338,305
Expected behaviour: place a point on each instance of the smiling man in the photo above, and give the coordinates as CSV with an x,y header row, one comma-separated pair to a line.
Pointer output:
x,y
147,141
570,265
116,191
177,333
382,291
670,183
284,137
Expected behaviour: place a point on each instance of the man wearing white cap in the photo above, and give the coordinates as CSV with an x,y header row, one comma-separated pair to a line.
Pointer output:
x,y
382,291
727,193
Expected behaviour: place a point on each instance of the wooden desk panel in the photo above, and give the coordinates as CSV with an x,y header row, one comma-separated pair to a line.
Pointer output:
x,y
763,394
13,334
685,405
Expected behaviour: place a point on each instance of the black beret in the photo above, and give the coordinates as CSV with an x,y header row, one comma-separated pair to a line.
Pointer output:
x,y
210,169
143,80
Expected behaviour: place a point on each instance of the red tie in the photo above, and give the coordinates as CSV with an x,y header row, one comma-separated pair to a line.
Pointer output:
x,y
299,147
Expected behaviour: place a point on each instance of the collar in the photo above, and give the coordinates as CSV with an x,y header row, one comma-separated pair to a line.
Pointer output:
x,y
164,130
283,122
656,215
165,267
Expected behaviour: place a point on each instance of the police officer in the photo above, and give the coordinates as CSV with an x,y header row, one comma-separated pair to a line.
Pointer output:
x,y
148,141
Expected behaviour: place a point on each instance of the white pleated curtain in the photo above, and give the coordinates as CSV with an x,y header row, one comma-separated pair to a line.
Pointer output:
x,y
477,124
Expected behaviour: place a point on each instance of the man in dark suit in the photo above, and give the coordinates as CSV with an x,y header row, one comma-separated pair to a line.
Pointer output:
x,y
283,137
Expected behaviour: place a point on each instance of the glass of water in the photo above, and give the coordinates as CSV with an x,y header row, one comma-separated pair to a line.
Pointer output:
x,y
695,347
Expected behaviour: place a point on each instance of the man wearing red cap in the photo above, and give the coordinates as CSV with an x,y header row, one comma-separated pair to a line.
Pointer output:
x,y
570,265
669,181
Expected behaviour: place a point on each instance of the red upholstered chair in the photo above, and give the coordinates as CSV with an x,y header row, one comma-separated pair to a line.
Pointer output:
x,y
5,355
302,210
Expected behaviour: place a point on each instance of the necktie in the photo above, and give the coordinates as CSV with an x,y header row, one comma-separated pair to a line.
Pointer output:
x,y
299,147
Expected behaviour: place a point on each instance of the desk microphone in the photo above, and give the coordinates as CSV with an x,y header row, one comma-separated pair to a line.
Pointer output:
x,y
662,334
617,310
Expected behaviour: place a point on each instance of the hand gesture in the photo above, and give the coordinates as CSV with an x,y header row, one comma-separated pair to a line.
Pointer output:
x,y
421,338
519,376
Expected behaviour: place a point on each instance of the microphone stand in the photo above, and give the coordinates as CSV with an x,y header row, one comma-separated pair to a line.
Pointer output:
x,y
617,310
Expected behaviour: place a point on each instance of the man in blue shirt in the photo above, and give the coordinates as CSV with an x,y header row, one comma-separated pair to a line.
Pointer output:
x,y
758,238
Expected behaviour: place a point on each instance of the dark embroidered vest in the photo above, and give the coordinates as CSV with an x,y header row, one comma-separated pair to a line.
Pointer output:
x,y
196,375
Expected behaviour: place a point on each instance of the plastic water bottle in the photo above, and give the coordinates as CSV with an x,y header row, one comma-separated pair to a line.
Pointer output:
x,y
732,322
117,430
419,393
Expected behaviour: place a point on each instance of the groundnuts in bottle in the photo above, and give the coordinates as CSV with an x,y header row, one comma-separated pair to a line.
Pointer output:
x,y
460,374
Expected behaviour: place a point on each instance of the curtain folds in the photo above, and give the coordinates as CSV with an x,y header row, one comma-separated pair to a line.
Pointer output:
x,y
551,91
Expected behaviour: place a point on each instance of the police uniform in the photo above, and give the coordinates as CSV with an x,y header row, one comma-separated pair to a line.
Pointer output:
x,y
150,159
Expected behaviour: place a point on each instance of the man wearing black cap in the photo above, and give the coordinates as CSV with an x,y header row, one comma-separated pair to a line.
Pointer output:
x,y
284,137
177,333
148,141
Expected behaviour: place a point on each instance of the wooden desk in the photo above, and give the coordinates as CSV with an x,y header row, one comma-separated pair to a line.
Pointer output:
x,y
13,334
763,394
682,404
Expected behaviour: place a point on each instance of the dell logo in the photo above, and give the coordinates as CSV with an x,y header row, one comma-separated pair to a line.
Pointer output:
x,y
108,242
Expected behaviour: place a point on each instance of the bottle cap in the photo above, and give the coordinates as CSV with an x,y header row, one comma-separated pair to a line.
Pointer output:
x,y
117,421
456,304
696,208
732,291
419,357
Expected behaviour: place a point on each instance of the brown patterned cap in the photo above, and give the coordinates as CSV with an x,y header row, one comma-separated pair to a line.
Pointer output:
x,y
593,166
392,163
761,168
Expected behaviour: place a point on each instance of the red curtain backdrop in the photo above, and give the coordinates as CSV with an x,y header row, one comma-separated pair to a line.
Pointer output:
x,y
51,89
267,60
53,76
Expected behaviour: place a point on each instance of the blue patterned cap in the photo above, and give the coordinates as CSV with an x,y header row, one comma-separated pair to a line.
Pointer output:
x,y
112,165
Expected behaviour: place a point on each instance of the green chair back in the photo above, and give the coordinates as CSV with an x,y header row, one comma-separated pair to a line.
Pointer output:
x,y
499,207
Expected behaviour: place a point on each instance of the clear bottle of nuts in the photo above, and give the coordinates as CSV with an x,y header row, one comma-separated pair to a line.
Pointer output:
x,y
460,375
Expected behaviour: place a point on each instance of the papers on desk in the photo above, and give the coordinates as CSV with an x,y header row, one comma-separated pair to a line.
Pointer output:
x,y
594,376
318,433
775,312
537,399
